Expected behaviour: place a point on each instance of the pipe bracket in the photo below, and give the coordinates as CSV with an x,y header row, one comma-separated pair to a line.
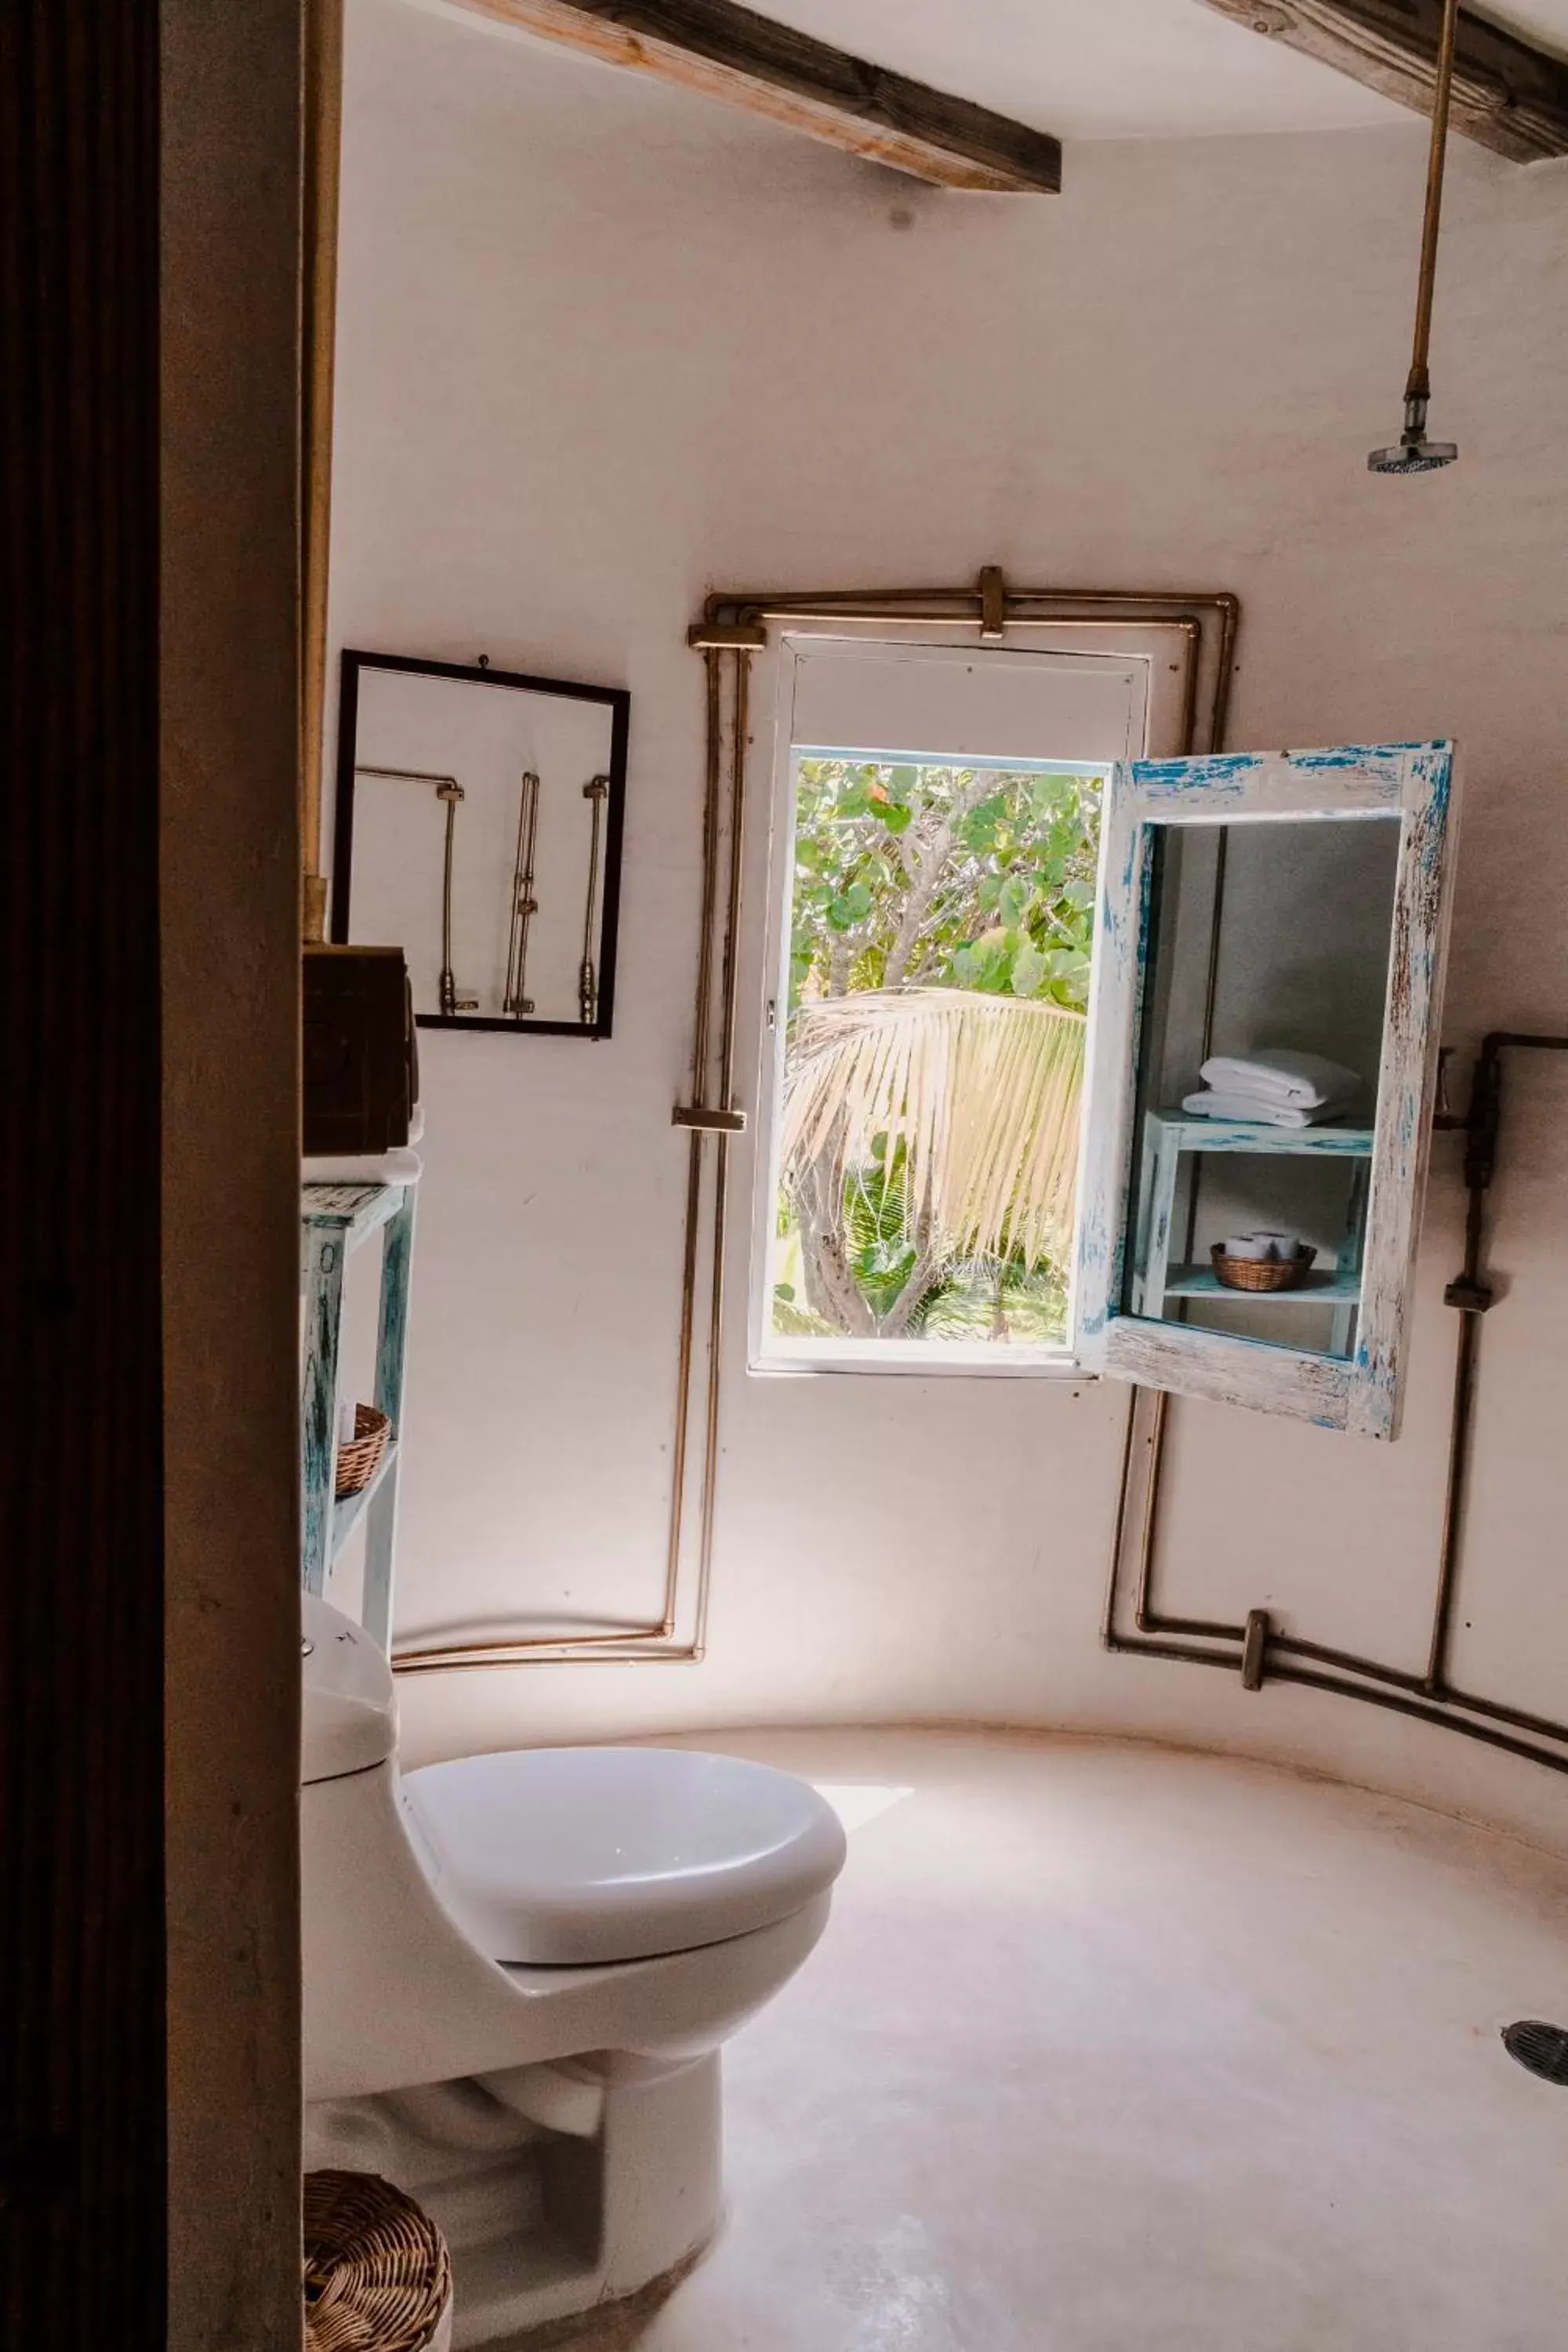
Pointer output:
x,y
708,1122
1253,1649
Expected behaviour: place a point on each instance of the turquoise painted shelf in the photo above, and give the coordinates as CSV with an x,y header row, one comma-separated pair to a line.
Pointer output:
x,y
1319,1289
351,1509
1167,1135
1174,1130
335,1220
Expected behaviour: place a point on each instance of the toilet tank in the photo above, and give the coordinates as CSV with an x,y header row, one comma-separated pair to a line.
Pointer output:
x,y
395,1992
349,1714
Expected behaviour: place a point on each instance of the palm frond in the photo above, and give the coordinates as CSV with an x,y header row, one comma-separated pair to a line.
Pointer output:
x,y
981,1091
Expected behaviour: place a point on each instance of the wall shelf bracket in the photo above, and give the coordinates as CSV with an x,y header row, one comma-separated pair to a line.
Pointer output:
x,y
1255,1649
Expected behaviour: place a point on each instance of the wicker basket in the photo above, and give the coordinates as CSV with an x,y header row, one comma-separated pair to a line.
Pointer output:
x,y
377,2277
1261,1272
359,1457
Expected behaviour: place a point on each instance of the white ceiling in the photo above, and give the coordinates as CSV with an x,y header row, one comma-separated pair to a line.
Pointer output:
x,y
1096,69
1115,69
1543,21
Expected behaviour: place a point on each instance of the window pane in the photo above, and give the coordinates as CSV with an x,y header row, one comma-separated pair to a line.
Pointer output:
x,y
940,922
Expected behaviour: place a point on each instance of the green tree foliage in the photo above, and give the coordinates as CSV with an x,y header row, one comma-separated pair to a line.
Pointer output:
x,y
963,878
913,876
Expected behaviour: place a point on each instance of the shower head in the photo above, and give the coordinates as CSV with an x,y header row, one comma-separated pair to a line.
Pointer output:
x,y
1413,453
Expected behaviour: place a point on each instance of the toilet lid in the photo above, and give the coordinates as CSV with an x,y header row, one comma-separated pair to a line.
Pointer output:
x,y
563,1855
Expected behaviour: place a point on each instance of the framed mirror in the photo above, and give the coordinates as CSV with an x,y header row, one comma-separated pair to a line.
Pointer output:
x,y
1267,978
478,827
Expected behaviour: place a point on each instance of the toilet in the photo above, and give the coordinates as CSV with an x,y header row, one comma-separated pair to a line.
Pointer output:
x,y
518,1973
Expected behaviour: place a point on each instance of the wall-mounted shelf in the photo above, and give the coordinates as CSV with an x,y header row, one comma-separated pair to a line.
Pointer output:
x,y
1166,1136
1318,1289
1174,1131
334,1221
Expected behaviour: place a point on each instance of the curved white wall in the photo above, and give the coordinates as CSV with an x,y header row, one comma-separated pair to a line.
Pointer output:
x,y
604,348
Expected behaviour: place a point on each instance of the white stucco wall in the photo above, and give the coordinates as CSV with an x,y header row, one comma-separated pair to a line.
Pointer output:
x,y
604,348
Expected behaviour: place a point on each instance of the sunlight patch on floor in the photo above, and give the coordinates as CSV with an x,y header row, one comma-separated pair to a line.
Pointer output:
x,y
855,1802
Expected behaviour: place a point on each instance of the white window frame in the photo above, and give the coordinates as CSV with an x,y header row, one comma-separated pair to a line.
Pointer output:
x,y
1163,656
1418,784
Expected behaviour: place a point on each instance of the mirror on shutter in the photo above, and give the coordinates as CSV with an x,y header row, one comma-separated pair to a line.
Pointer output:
x,y
1268,979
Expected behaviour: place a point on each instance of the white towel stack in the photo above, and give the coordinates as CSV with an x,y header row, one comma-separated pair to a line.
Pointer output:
x,y
1273,1088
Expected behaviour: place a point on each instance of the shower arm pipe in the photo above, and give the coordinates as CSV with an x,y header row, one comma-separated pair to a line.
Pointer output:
x,y
732,616
323,86
1418,386
1429,1696
988,605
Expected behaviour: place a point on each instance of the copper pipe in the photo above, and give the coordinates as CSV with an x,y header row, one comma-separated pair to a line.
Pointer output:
x,y
700,1028
1432,1698
738,749
653,1641
1472,1295
1418,1708
635,1640
323,108
711,818
1419,387
743,716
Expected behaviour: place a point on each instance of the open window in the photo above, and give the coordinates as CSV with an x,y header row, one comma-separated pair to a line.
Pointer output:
x,y
1266,981
936,849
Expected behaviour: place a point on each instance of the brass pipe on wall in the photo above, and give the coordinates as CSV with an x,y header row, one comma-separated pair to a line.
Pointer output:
x,y
649,1639
734,627
323,112
733,611
1429,1696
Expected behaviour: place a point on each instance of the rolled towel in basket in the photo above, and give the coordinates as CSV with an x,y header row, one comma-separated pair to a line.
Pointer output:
x,y
1276,1075
1209,1104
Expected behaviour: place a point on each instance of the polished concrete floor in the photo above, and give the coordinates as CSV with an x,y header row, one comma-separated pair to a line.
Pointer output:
x,y
1112,2049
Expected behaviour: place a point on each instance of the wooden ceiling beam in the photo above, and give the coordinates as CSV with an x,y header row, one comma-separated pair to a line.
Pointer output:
x,y
728,52
1507,95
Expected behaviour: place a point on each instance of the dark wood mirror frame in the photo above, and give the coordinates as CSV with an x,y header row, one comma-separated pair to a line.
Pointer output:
x,y
616,699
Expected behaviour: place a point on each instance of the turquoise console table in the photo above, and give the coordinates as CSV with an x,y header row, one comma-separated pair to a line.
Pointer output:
x,y
334,1220
1156,1281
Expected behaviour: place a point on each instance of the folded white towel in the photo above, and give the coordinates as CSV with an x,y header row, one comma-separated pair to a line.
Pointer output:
x,y
1211,1104
1306,1081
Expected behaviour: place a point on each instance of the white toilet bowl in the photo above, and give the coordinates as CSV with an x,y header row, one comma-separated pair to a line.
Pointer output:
x,y
517,1971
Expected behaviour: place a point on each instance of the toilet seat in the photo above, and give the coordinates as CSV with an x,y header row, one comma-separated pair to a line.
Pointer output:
x,y
570,1856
